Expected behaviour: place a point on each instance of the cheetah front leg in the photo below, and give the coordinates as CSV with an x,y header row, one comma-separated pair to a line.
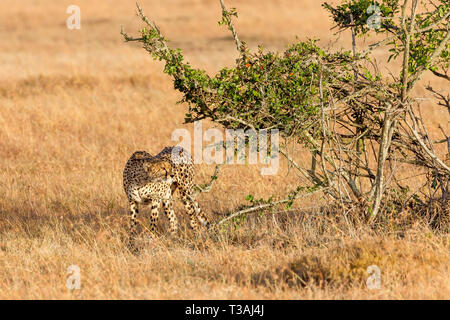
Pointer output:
x,y
134,210
190,210
173,222
155,203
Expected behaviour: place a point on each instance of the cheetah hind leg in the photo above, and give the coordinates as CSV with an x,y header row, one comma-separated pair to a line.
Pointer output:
x,y
194,212
200,215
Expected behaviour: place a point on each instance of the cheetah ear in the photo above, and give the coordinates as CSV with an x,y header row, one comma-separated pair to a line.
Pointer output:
x,y
169,168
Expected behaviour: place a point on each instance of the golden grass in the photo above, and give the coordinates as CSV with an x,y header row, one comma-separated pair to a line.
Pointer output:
x,y
75,104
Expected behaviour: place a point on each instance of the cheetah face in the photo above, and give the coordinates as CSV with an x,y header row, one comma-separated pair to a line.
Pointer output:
x,y
159,170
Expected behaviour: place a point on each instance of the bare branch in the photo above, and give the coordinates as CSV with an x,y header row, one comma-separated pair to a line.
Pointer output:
x,y
265,206
413,129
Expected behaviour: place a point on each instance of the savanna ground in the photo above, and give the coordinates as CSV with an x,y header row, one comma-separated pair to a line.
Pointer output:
x,y
74,104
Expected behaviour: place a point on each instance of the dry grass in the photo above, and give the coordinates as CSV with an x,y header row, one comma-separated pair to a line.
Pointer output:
x,y
75,104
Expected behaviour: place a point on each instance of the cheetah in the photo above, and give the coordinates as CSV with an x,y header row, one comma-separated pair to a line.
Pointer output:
x,y
153,180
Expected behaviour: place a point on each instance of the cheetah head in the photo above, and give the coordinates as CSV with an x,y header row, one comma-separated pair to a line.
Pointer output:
x,y
159,169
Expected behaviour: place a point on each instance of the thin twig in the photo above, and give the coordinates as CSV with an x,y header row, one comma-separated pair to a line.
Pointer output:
x,y
227,16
